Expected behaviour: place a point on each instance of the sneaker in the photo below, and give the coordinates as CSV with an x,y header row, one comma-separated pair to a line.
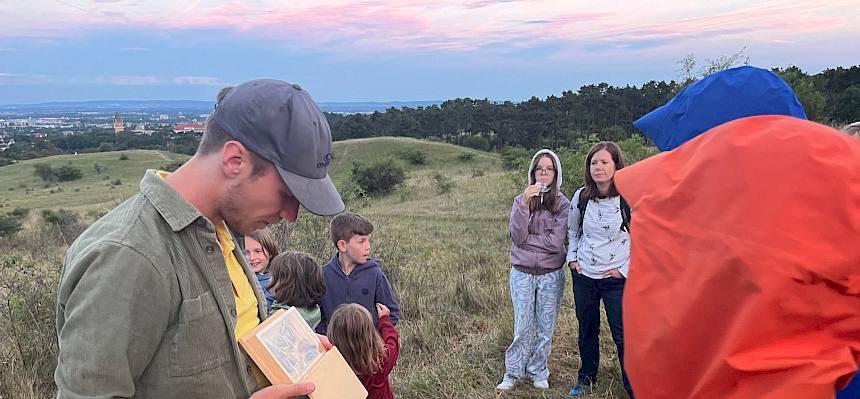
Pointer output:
x,y
542,384
580,389
506,385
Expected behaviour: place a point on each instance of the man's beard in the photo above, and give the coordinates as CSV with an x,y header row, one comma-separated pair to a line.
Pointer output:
x,y
228,207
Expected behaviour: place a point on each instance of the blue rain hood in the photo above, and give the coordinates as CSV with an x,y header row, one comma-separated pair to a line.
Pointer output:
x,y
719,98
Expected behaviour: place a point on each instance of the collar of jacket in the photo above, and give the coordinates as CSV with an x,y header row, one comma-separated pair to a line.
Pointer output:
x,y
173,207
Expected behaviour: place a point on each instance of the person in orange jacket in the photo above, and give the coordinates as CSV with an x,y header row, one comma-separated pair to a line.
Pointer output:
x,y
745,261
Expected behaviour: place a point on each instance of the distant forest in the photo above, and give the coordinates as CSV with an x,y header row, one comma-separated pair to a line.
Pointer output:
x,y
830,97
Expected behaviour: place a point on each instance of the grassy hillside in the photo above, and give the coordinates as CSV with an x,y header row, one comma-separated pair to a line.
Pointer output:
x,y
22,188
445,253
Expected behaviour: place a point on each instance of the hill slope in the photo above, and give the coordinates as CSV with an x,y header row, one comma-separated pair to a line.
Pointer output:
x,y
20,187
444,252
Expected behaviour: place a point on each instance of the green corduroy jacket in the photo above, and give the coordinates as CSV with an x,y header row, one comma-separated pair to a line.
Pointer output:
x,y
145,306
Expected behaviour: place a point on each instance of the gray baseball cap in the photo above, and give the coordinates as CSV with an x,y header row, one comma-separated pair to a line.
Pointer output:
x,y
281,123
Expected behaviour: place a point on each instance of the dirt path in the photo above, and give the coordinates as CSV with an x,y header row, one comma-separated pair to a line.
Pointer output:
x,y
163,156
340,159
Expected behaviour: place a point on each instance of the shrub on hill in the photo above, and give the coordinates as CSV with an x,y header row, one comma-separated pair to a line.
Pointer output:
x,y
378,177
9,224
63,173
413,156
27,296
67,221
68,173
515,158
171,167
442,183
476,142
466,156
44,171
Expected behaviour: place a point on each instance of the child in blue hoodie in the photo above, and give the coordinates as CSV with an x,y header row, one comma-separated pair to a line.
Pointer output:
x,y
350,276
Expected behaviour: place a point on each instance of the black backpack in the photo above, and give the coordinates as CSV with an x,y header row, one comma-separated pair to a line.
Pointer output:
x,y
583,203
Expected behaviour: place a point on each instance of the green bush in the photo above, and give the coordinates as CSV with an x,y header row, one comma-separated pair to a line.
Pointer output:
x,y
442,183
309,234
379,177
353,195
27,329
466,156
68,173
413,156
44,171
476,142
10,224
171,167
68,222
123,157
63,173
515,158
186,149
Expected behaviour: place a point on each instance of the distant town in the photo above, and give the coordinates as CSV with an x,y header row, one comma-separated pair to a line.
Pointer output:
x,y
15,126
170,120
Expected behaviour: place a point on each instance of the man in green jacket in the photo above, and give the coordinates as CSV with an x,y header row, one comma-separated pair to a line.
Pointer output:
x,y
155,294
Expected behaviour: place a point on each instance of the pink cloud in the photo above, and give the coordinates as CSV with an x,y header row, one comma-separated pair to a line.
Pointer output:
x,y
459,26
776,19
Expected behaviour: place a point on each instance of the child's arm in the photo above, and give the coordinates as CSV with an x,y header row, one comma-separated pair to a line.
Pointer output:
x,y
518,224
385,296
390,337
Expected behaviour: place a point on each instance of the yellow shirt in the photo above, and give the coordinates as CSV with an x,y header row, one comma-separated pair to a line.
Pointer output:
x,y
246,303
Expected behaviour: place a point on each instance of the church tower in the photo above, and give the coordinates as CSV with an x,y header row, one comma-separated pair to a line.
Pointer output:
x,y
117,123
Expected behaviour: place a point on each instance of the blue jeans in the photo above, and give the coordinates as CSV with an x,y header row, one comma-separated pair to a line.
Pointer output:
x,y
536,300
587,293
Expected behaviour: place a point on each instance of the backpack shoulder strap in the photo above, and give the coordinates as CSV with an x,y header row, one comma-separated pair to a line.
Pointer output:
x,y
625,215
581,204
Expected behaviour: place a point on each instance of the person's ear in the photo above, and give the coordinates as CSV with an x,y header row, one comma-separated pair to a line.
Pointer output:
x,y
341,245
234,158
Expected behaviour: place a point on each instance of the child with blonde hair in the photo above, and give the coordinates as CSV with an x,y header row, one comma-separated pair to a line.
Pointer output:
x,y
297,281
370,351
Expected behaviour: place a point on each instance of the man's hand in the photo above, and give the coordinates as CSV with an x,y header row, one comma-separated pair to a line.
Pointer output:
x,y
283,391
574,265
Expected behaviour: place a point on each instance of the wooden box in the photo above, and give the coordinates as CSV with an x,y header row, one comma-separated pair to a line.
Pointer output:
x,y
287,351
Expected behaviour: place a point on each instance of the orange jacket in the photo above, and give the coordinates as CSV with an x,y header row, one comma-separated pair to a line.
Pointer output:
x,y
745,263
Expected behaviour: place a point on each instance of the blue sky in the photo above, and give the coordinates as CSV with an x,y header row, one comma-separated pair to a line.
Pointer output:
x,y
384,50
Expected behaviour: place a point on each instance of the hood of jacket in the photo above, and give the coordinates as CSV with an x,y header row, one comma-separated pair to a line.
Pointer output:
x,y
557,167
335,263
719,98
